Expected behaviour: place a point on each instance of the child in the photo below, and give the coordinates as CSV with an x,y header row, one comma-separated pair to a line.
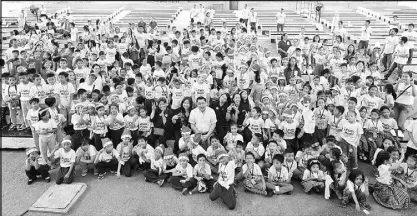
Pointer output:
x,y
57,117
131,123
195,149
155,173
65,92
107,158
116,124
373,128
313,177
23,89
238,155
143,153
272,149
409,175
80,119
350,135
202,179
255,124
45,128
125,150
86,155
334,121
252,175
224,187
170,160
256,147
181,176
386,191
11,97
289,126
67,162
99,126
289,162
279,179
336,180
357,190
32,118
145,126
36,165
232,137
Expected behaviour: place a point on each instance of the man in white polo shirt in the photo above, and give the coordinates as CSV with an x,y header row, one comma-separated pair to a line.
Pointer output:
x,y
203,120
280,17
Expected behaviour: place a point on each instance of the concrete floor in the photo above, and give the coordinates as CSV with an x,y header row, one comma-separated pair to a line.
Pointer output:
x,y
134,196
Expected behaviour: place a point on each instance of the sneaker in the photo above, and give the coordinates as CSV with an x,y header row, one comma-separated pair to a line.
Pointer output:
x,y
288,193
194,191
139,169
365,206
48,179
185,191
84,173
113,172
12,127
20,127
95,172
235,192
270,193
101,176
30,181
308,192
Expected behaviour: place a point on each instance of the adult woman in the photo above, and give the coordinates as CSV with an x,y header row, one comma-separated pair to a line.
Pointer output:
x,y
406,91
239,109
350,52
159,117
179,118
292,69
222,110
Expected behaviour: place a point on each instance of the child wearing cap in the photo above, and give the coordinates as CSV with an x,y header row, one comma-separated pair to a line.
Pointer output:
x,y
195,149
313,177
107,158
289,127
125,150
224,186
272,149
36,165
170,159
86,155
256,147
254,124
131,123
67,157
211,150
32,118
116,124
182,175
351,131
157,167
232,137
238,155
99,126
80,120
45,128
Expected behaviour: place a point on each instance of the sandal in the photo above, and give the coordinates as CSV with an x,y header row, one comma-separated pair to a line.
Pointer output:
x,y
12,127
20,127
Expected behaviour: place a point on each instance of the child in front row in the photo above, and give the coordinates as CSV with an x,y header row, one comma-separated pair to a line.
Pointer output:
x,y
181,176
107,158
252,175
313,177
32,118
86,154
279,180
357,190
36,165
388,190
157,167
408,173
202,179
45,128
125,150
238,155
67,162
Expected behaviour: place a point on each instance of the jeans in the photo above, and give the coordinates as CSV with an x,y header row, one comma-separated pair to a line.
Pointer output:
x,y
25,108
42,170
280,26
387,61
61,176
227,195
352,153
363,44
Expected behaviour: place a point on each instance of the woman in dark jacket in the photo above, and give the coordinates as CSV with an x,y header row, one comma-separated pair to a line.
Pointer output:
x,y
159,117
223,115
178,119
239,109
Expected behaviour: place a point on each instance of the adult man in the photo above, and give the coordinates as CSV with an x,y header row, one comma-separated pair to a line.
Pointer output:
x,y
280,17
245,15
340,30
203,120
390,42
193,14
335,20
366,32
411,37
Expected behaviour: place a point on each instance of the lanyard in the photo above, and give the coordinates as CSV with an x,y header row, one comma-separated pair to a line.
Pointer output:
x,y
289,167
375,124
409,175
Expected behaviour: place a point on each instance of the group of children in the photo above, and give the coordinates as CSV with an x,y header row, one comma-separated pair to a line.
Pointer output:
x,y
104,102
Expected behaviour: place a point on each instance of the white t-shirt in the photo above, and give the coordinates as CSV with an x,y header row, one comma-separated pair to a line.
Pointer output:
x,y
384,174
309,121
278,176
412,127
280,17
390,43
65,93
401,50
260,149
289,129
66,158
33,116
255,125
407,97
200,90
351,132
187,170
42,126
366,33
75,120
256,171
86,155
407,34
24,91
